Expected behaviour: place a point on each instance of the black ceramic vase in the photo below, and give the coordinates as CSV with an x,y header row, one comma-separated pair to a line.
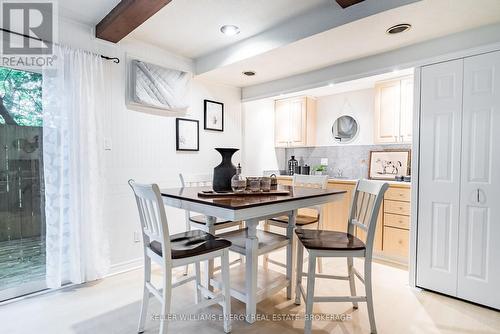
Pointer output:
x,y
225,170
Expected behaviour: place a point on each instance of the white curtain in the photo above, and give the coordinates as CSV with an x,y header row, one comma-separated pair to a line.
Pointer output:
x,y
73,102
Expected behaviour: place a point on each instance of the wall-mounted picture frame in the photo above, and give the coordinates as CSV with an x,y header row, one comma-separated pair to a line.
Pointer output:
x,y
386,165
213,115
187,134
157,87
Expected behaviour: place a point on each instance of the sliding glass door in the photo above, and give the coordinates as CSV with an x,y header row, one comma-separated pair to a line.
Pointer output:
x,y
22,219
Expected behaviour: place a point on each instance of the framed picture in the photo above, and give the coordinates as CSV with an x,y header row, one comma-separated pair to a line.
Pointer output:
x,y
214,115
386,165
187,134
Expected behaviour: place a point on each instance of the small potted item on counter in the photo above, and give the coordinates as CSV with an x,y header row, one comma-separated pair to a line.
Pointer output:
x,y
319,170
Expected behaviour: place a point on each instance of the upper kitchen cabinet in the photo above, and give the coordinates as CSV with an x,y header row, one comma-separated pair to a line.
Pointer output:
x,y
295,121
394,111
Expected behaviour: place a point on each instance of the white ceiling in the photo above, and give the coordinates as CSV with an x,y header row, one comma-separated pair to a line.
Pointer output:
x,y
191,27
348,86
89,11
430,19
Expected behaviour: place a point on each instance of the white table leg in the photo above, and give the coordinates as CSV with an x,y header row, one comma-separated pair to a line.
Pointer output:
x,y
209,265
251,263
290,250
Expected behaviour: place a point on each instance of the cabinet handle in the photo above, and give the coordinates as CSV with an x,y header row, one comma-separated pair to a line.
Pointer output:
x,y
478,199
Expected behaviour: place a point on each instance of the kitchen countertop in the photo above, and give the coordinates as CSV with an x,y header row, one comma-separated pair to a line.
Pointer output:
x,y
353,181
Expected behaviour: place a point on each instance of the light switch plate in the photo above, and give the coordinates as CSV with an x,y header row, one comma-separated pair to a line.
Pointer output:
x,y
107,144
137,237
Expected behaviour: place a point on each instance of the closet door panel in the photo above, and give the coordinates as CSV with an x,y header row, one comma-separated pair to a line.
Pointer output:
x,y
479,245
439,178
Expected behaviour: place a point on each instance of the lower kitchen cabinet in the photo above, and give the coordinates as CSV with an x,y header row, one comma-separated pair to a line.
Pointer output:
x,y
393,226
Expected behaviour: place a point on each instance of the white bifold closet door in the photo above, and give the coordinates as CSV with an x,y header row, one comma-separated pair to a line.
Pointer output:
x,y
459,182
439,178
479,231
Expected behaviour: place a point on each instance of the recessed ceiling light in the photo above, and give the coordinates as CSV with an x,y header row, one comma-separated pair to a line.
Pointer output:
x,y
230,30
249,73
398,28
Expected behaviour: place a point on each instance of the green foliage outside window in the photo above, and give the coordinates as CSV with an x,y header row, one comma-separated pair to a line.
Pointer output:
x,y
20,97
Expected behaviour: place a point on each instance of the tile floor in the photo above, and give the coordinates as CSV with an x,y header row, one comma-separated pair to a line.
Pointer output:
x,y
112,306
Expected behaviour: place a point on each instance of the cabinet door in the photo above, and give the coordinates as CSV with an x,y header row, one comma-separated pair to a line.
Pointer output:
x,y
281,123
406,119
337,213
387,110
298,114
439,177
479,248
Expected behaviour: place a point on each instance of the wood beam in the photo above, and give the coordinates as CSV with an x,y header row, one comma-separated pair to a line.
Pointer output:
x,y
125,17
347,3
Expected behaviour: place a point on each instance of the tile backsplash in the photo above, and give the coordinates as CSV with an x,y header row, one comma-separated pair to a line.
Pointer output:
x,y
352,160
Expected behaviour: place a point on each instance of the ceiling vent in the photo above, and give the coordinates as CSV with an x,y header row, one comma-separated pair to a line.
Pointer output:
x,y
398,28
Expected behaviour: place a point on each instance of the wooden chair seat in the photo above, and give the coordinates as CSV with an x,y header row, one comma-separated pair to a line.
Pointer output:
x,y
329,240
300,220
200,219
191,243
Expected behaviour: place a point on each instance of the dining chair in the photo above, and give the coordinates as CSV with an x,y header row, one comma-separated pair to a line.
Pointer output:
x,y
365,206
199,221
302,220
170,251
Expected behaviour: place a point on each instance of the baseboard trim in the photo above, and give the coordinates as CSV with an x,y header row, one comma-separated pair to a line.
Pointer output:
x,y
125,266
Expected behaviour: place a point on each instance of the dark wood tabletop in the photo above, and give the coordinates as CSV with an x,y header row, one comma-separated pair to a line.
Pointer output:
x,y
236,202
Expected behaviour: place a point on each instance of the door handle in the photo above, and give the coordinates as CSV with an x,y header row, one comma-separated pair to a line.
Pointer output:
x,y
478,196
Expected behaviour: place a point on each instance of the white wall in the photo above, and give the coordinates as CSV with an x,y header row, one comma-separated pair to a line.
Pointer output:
x,y
258,138
143,144
358,104
258,126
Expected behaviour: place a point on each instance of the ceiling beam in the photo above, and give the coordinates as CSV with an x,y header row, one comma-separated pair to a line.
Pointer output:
x,y
348,3
318,20
125,17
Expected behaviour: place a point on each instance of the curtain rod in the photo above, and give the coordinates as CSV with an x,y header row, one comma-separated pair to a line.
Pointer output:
x,y
115,60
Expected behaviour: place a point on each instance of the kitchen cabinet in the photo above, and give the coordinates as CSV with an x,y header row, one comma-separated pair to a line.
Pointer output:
x,y
459,179
396,211
392,233
295,122
394,111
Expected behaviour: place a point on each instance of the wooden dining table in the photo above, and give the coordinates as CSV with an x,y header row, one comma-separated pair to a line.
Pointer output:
x,y
251,210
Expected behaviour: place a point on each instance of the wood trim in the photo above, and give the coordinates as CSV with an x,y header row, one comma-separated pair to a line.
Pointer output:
x,y
125,17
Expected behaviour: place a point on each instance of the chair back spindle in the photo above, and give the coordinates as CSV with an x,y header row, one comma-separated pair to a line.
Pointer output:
x,y
365,206
310,181
195,180
154,224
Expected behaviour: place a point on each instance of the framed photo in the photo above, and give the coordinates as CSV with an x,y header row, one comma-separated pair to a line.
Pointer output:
x,y
386,165
187,134
214,115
